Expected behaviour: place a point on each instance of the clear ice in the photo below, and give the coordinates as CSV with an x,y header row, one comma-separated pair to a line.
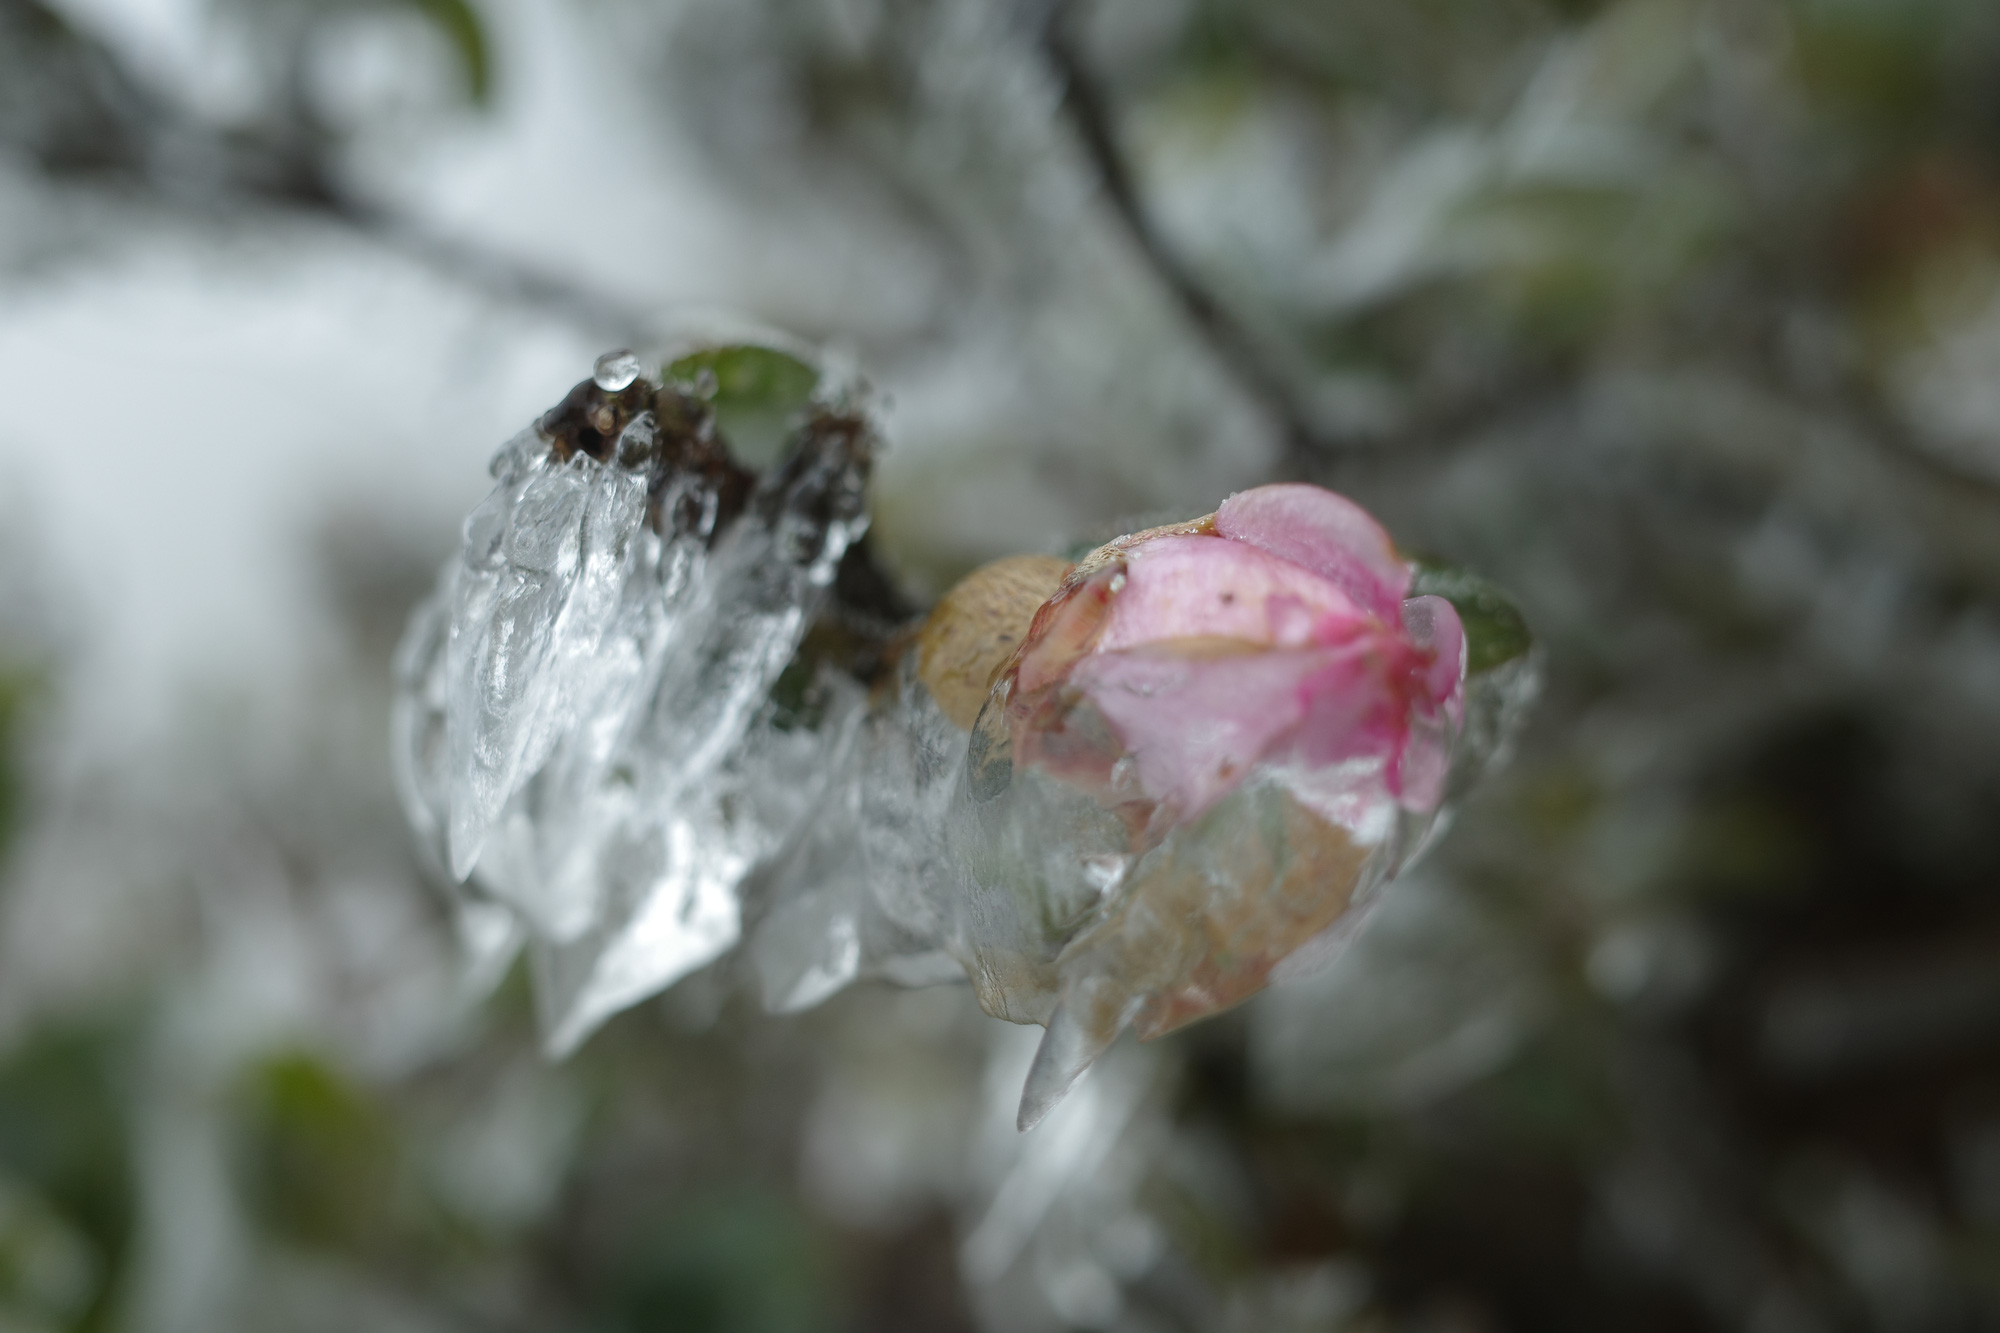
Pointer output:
x,y
584,729
616,370
642,718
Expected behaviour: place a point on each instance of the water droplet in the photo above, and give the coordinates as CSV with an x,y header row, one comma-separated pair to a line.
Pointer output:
x,y
615,371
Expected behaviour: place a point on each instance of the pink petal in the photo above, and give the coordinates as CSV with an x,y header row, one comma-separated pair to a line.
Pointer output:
x,y
1417,776
1327,533
1208,588
1196,725
1066,627
1353,705
1434,627
1421,767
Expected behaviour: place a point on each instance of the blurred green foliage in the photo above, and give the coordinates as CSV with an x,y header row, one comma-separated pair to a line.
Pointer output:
x,y
740,1261
326,1165
20,689
67,1205
462,26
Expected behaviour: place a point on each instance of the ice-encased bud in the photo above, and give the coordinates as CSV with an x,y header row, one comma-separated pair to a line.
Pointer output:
x,y
1214,740
615,370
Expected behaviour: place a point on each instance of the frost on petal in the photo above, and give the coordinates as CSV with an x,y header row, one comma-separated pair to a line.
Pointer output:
x,y
1031,859
1205,588
1325,532
1120,920
1199,924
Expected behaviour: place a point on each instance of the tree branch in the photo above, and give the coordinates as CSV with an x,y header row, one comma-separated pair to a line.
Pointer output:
x,y
87,114
1231,343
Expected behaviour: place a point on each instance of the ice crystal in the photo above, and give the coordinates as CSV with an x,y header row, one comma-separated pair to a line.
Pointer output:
x,y
584,727
644,715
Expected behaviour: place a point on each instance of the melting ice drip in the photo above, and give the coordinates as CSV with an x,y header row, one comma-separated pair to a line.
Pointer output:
x,y
657,705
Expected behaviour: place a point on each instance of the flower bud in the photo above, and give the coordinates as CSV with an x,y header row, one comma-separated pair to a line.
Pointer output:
x,y
1236,726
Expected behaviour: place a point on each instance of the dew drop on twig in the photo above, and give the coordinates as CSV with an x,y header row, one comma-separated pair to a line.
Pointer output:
x,y
615,370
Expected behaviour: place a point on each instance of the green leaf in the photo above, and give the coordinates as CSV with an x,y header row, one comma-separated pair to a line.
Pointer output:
x,y
750,376
1495,630
460,24
758,390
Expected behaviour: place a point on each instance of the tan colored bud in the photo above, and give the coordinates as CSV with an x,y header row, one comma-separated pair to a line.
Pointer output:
x,y
1308,868
973,630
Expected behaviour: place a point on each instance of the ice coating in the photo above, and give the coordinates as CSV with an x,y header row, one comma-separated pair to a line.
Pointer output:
x,y
545,560
584,730
642,719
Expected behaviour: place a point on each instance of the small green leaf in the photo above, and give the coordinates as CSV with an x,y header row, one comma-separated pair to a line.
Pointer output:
x,y
748,376
460,24
757,392
1495,630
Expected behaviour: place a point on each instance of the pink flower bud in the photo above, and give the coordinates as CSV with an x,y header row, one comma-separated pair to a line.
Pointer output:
x,y
1211,743
1276,631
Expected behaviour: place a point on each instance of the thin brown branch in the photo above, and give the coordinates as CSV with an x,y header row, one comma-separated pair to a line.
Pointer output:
x,y
98,119
1232,344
